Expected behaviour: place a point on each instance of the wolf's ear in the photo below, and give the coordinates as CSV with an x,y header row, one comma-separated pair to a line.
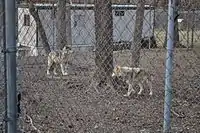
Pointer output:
x,y
118,68
64,48
137,70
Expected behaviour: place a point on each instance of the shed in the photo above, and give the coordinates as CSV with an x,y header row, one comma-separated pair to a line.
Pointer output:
x,y
82,24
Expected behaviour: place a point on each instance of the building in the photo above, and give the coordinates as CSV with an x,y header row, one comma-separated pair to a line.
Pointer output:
x,y
82,24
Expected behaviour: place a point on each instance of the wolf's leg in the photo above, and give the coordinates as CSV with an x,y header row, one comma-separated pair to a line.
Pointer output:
x,y
141,88
54,69
130,89
62,69
150,86
49,64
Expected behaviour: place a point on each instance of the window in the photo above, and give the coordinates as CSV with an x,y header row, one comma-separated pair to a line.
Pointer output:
x,y
79,20
119,13
26,20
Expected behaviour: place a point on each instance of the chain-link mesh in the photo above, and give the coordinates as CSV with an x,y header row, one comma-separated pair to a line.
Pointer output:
x,y
77,65
2,68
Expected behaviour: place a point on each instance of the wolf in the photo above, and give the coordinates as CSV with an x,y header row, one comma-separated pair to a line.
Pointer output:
x,y
134,76
58,58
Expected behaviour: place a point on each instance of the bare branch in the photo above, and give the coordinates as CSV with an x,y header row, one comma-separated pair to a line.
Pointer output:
x,y
31,124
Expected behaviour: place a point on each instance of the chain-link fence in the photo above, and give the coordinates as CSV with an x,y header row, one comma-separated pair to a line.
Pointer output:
x,y
2,68
88,66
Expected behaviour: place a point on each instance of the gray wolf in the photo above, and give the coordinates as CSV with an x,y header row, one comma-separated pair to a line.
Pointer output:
x,y
59,58
134,76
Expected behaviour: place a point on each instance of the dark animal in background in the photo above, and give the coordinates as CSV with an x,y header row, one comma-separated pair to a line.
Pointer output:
x,y
146,41
121,45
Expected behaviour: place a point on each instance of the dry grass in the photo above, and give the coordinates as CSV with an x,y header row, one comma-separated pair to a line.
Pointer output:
x,y
185,37
68,105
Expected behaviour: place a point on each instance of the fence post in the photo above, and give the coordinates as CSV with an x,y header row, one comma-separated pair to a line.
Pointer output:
x,y
3,32
169,67
10,12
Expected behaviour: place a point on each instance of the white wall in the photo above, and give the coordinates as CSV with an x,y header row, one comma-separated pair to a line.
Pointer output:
x,y
46,16
83,27
124,25
26,34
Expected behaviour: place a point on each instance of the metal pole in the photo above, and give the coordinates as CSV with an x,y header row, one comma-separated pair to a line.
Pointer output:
x,y
10,12
169,65
3,32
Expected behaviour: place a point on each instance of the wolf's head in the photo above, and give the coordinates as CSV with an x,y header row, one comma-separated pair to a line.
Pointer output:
x,y
117,71
67,50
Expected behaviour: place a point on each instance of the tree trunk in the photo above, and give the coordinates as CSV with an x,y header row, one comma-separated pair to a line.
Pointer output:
x,y
104,40
136,46
34,13
63,24
176,29
166,28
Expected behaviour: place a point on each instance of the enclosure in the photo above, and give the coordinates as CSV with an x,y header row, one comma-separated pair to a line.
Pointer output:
x,y
72,103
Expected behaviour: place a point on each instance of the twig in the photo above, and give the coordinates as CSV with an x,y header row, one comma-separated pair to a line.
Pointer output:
x,y
31,123
176,114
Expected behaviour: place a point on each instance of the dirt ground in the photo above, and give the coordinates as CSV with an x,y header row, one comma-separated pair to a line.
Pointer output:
x,y
68,105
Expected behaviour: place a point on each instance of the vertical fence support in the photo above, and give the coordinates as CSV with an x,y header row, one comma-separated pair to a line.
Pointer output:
x,y
169,67
3,32
10,8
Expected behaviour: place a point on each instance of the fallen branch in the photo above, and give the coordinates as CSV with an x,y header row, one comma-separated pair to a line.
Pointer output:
x,y
31,123
176,114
